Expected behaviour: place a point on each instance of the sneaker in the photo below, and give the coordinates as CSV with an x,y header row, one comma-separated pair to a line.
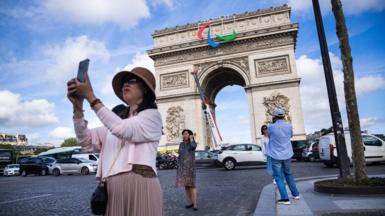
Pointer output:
x,y
284,201
296,197
274,182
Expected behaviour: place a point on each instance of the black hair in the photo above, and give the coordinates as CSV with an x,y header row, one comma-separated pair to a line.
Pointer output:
x,y
263,126
280,117
149,98
188,131
120,110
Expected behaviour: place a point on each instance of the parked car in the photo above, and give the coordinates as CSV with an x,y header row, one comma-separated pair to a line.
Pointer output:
x,y
88,156
12,169
206,158
240,154
73,166
311,152
374,148
34,165
298,147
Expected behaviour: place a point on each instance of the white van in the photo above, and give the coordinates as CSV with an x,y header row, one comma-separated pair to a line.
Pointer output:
x,y
374,148
88,156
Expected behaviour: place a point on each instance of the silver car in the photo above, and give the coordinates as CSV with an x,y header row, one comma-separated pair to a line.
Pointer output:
x,y
12,169
73,166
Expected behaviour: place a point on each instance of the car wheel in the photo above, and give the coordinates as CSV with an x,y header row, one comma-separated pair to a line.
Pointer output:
x,y
56,172
24,173
311,158
229,164
85,171
43,172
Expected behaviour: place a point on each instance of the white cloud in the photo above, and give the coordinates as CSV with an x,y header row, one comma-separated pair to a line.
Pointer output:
x,y
62,133
369,84
17,113
95,12
350,7
141,60
313,90
33,138
65,58
367,123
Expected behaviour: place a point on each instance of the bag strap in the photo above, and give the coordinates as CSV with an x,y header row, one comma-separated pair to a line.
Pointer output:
x,y
113,163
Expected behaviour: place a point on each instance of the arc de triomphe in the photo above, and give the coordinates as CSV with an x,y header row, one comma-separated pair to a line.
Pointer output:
x,y
261,59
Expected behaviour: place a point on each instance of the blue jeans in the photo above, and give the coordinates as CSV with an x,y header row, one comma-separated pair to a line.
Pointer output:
x,y
281,170
269,166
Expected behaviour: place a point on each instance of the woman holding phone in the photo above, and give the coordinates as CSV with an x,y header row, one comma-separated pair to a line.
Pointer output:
x,y
185,175
127,146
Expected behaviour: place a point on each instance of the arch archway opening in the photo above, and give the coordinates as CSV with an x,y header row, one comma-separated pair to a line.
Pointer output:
x,y
225,90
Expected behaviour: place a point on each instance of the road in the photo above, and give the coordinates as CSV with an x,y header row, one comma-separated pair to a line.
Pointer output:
x,y
220,192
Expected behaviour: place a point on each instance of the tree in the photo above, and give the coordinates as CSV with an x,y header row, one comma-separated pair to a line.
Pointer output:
x,y
6,146
70,142
38,151
358,156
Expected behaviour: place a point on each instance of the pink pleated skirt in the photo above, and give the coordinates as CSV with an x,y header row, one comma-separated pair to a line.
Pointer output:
x,y
130,194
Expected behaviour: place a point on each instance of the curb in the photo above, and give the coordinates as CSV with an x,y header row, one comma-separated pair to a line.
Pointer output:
x,y
266,203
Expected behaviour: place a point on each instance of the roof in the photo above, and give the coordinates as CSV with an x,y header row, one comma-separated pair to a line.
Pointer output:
x,y
61,150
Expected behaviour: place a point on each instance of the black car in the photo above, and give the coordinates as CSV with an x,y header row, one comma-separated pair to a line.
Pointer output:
x,y
298,147
35,165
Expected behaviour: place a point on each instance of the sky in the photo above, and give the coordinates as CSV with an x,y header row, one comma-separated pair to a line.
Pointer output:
x,y
41,43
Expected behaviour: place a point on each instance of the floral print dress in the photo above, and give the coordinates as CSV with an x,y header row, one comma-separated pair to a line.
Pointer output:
x,y
185,174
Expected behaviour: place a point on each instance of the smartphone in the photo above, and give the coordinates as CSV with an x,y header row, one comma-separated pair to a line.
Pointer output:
x,y
83,68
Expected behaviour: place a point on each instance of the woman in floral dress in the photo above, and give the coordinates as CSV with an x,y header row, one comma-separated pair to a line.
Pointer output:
x,y
185,175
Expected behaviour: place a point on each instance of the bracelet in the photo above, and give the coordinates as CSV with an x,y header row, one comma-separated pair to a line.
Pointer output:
x,y
79,111
94,102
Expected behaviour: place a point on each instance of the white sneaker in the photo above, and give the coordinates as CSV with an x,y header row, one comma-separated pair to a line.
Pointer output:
x,y
274,182
296,197
283,202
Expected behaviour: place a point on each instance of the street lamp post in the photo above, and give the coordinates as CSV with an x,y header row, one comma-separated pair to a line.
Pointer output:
x,y
338,129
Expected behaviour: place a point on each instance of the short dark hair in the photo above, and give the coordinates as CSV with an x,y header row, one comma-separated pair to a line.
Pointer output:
x,y
120,110
188,131
280,117
262,128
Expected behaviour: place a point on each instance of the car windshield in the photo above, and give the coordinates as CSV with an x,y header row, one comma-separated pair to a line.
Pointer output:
x,y
381,136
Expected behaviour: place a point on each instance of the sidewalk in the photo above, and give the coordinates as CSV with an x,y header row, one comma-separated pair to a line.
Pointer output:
x,y
314,203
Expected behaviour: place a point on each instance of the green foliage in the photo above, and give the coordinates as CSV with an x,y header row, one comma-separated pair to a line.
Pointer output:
x,y
70,142
38,151
6,146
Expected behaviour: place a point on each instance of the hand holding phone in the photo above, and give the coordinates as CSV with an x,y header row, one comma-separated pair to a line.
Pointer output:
x,y
83,68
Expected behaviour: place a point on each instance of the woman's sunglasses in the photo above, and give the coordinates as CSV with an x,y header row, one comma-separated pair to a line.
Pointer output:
x,y
131,81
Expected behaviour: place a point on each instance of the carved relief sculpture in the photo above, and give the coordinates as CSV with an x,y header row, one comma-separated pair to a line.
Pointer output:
x,y
175,123
272,66
174,80
276,100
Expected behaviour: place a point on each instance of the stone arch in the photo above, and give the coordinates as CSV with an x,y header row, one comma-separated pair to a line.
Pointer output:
x,y
219,75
